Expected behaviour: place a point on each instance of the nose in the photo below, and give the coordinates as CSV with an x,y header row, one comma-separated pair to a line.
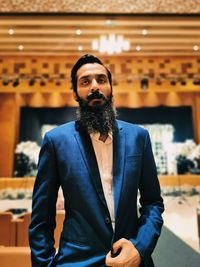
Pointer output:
x,y
94,86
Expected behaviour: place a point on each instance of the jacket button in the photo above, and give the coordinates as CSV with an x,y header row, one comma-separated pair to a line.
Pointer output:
x,y
107,220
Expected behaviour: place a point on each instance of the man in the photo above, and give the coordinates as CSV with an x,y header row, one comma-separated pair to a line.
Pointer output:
x,y
100,163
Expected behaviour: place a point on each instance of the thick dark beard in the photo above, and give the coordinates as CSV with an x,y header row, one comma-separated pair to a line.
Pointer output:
x,y
97,119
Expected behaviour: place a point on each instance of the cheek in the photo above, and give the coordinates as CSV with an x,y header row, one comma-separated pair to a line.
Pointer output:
x,y
82,93
107,91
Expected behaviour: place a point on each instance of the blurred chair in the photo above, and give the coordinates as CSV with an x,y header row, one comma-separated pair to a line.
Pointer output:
x,y
23,224
7,229
22,230
15,257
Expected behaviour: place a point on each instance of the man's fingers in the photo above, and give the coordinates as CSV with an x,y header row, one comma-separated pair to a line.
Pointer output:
x,y
128,255
110,261
118,244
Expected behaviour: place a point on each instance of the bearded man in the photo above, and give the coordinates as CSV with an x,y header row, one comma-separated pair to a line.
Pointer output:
x,y
101,163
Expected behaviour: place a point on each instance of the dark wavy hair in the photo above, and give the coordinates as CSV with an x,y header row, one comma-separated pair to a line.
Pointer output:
x,y
82,61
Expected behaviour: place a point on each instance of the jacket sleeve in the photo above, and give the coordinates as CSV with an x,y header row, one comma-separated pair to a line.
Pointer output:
x,y
41,228
150,220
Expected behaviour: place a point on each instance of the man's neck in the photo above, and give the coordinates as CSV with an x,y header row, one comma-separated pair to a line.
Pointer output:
x,y
103,137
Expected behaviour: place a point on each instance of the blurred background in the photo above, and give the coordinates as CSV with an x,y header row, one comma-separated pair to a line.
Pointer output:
x,y
153,51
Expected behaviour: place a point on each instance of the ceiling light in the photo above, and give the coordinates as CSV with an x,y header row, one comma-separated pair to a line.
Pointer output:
x,y
158,82
138,48
5,82
195,47
16,82
31,82
58,83
183,82
111,44
109,23
78,32
80,48
144,32
11,31
144,83
173,82
20,47
42,82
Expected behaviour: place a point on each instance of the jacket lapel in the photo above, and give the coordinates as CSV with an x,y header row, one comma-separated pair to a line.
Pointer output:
x,y
86,148
118,164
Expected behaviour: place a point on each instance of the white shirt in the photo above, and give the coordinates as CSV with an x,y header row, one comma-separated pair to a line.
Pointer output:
x,y
104,156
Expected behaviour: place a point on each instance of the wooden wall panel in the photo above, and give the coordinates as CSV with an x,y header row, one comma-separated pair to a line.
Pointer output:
x,y
127,73
123,68
8,120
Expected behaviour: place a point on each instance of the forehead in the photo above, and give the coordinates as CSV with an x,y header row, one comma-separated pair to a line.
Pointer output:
x,y
91,69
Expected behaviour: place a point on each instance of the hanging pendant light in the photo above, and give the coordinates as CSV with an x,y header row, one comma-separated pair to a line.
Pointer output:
x,y
111,44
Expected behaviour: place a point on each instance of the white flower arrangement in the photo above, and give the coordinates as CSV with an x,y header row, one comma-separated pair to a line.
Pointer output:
x,y
27,154
18,193
30,149
166,152
195,153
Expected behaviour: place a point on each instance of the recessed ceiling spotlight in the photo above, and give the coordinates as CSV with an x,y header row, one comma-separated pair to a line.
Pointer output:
x,y
20,47
144,32
109,23
16,82
31,82
138,48
78,32
11,31
195,47
80,48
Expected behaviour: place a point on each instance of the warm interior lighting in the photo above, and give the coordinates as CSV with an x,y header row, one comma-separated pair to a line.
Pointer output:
x,y
195,47
11,31
21,47
138,48
78,32
111,44
144,32
110,23
80,48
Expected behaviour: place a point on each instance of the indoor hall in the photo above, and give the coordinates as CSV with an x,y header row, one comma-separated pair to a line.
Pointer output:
x,y
152,49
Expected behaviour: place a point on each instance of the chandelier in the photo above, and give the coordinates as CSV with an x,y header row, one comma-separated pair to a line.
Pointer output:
x,y
111,44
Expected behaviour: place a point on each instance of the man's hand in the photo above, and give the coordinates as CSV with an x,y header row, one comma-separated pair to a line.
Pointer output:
x,y
128,257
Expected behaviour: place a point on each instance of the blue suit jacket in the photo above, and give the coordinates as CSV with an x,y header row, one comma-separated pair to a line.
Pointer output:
x,y
67,159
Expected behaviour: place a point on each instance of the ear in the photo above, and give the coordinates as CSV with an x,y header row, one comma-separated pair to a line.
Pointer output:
x,y
75,96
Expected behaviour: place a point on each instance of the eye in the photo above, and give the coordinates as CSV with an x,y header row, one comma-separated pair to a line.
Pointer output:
x,y
102,80
84,82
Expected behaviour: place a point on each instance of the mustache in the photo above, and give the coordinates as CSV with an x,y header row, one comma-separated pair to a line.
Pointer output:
x,y
95,95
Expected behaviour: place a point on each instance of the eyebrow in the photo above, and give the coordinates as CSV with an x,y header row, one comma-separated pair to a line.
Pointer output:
x,y
98,75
